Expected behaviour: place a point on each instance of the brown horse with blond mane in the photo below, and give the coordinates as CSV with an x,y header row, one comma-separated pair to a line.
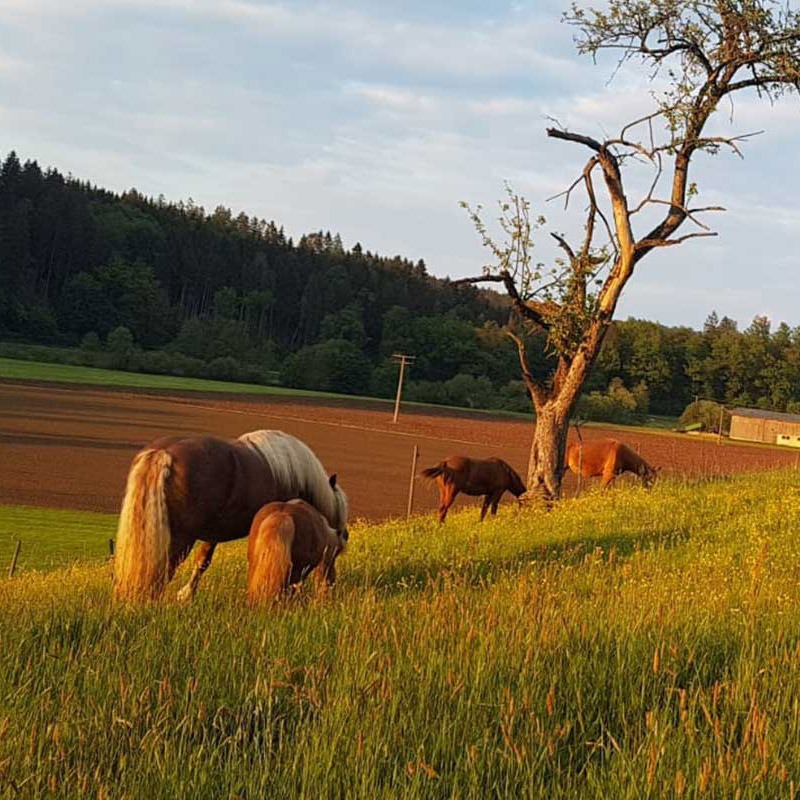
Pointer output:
x,y
475,477
184,490
287,542
609,458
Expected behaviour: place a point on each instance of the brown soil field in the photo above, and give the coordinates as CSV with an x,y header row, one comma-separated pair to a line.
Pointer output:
x,y
70,447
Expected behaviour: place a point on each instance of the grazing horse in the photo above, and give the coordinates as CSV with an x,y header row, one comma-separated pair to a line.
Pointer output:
x,y
474,477
183,490
609,458
288,541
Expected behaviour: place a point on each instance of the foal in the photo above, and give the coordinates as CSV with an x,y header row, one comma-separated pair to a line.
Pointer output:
x,y
609,458
288,541
474,477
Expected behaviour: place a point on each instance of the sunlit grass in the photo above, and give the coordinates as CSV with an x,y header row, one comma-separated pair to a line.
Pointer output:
x,y
52,538
629,644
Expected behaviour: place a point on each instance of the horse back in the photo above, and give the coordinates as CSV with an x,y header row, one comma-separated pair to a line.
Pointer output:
x,y
215,487
594,457
474,476
299,526
599,456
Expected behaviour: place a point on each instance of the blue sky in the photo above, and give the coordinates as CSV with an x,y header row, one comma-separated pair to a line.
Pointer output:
x,y
375,120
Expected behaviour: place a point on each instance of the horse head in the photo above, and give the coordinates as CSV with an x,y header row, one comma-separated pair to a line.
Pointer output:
x,y
515,484
649,476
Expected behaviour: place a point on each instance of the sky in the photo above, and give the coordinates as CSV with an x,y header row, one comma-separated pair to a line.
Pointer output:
x,y
374,120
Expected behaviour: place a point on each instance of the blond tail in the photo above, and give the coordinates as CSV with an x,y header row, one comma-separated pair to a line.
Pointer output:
x,y
141,560
270,558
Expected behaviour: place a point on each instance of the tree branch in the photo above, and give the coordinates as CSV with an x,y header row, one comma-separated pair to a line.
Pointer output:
x,y
593,144
536,391
564,245
650,244
527,308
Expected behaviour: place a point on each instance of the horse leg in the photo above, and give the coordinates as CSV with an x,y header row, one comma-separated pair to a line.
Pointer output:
x,y
608,478
201,563
324,576
485,507
179,549
495,501
447,501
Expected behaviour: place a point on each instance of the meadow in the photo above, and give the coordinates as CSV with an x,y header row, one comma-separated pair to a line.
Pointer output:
x,y
22,370
625,645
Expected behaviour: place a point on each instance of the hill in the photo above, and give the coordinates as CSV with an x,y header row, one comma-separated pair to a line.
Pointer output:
x,y
142,284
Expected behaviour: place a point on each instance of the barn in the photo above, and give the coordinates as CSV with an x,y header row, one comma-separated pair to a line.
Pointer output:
x,y
772,427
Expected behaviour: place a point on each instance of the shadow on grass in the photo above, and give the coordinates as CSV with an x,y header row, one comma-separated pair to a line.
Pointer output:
x,y
469,570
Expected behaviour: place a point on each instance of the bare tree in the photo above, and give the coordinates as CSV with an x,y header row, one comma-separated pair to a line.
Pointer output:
x,y
702,51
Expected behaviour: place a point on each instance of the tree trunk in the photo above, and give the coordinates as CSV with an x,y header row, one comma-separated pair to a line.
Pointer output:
x,y
545,467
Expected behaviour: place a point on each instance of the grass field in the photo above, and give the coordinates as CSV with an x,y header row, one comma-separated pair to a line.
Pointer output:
x,y
624,645
53,538
13,369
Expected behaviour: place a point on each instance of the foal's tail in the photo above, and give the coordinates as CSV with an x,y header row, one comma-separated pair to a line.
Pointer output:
x,y
141,560
434,472
270,558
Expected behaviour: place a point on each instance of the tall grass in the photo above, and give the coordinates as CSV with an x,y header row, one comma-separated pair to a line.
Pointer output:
x,y
624,645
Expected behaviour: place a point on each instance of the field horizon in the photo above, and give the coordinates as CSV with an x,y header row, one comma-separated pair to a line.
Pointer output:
x,y
627,644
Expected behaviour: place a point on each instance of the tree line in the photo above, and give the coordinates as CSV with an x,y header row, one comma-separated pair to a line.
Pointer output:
x,y
133,282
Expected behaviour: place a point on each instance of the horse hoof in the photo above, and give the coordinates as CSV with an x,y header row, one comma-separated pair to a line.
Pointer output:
x,y
185,594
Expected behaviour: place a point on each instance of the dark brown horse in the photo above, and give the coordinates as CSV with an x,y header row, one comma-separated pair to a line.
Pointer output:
x,y
609,458
205,489
287,542
474,477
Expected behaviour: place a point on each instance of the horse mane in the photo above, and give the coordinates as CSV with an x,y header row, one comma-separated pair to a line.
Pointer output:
x,y
299,472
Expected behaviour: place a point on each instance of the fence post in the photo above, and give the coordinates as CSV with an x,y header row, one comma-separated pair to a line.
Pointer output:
x,y
12,569
414,458
580,468
111,548
721,423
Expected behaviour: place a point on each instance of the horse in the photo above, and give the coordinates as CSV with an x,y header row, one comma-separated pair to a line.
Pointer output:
x,y
288,541
491,478
183,490
609,458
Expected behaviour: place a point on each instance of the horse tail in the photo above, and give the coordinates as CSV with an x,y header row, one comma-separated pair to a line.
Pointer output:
x,y
141,560
270,558
434,472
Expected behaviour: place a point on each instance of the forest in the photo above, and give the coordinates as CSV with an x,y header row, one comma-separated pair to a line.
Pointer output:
x,y
125,281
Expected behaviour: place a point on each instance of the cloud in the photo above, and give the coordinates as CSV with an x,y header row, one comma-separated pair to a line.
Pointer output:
x,y
474,50
11,66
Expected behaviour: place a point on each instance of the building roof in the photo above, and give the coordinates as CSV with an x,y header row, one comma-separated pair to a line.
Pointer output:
x,y
756,413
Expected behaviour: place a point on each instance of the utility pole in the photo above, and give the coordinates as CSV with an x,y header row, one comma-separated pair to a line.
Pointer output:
x,y
402,359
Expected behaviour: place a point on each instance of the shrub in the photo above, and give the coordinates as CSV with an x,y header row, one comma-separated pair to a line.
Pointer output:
x,y
426,392
187,367
119,345
617,405
706,412
514,397
224,368
156,362
91,342
383,381
469,391
333,366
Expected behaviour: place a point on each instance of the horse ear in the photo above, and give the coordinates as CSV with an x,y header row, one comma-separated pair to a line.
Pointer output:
x,y
332,481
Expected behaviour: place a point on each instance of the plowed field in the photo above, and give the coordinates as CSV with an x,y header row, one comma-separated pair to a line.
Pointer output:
x,y
71,447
